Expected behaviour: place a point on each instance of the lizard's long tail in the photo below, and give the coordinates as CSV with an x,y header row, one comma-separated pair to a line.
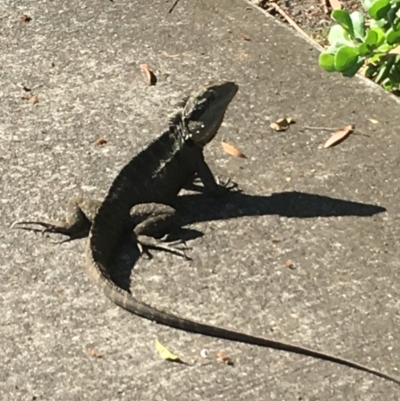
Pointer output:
x,y
125,300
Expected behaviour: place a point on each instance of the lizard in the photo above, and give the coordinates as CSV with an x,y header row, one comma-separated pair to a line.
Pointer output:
x,y
150,182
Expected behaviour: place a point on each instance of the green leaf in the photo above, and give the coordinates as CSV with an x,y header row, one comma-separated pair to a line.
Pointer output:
x,y
385,48
394,74
379,9
346,58
333,49
371,71
351,71
364,49
366,4
384,71
375,59
388,85
391,15
336,33
327,61
358,21
393,35
375,37
343,18
371,38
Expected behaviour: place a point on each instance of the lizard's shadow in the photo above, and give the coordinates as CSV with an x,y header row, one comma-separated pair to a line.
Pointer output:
x,y
194,208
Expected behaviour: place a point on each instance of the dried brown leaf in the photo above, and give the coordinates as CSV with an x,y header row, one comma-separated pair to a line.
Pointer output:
x,y
151,79
95,353
245,37
25,18
100,141
335,4
339,136
222,357
232,150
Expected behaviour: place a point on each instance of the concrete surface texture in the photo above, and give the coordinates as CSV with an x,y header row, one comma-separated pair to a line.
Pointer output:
x,y
332,212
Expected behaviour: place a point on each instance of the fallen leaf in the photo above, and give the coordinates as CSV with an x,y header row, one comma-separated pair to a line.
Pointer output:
x,y
232,150
275,240
245,37
171,55
100,141
166,353
151,79
95,353
25,18
335,4
339,136
222,357
373,121
282,124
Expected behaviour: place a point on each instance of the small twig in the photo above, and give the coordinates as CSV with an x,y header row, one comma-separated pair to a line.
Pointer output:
x,y
173,6
320,128
294,25
361,134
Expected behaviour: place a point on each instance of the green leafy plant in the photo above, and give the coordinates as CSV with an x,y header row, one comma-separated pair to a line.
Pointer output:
x,y
356,41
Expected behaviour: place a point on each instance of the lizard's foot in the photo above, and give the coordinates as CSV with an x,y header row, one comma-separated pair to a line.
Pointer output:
x,y
223,187
70,231
219,188
228,185
145,243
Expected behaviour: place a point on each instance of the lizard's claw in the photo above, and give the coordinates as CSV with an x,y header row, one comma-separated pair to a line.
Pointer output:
x,y
228,185
48,228
145,243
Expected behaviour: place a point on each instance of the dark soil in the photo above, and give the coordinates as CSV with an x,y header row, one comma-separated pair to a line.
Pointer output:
x,y
313,16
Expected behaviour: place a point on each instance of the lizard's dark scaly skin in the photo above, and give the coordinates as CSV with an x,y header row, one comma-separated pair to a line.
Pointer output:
x,y
156,175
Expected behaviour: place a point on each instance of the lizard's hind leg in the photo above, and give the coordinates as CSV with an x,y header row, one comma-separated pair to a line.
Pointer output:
x,y
79,217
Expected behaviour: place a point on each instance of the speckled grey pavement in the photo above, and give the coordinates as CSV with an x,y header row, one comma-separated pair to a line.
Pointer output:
x,y
332,212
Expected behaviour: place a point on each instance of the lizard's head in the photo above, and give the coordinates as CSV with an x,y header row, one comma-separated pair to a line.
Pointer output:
x,y
204,111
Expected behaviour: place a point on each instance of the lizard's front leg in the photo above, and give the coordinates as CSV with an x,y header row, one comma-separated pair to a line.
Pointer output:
x,y
79,217
212,185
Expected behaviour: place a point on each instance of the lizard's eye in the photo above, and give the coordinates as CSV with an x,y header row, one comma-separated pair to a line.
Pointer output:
x,y
201,106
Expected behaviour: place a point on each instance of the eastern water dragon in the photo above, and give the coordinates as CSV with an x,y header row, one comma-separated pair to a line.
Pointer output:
x,y
149,184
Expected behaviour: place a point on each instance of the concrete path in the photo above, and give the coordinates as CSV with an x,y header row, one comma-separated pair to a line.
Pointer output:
x,y
332,212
